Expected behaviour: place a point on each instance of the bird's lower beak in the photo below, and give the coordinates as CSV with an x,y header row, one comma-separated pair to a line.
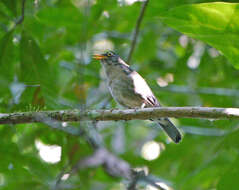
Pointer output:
x,y
99,57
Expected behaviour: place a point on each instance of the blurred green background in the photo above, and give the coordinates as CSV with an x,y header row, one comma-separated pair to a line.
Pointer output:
x,y
187,52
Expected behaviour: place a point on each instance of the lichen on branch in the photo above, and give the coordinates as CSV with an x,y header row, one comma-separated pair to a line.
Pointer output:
x,y
127,114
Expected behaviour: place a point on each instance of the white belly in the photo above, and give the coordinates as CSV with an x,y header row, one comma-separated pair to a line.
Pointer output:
x,y
124,93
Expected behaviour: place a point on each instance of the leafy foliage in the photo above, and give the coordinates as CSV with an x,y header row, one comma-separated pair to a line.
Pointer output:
x,y
209,22
45,63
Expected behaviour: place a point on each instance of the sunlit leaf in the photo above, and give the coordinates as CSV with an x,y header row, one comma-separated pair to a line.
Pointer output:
x,y
214,23
35,70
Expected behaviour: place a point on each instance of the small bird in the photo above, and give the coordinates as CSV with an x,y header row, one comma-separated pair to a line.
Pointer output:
x,y
130,90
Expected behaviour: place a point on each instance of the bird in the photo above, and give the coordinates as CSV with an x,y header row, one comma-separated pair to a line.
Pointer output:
x,y
130,90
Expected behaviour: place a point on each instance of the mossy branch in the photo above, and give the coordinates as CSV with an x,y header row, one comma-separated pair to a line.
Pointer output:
x,y
128,114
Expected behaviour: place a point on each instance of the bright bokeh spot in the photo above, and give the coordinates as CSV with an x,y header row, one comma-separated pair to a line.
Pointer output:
x,y
193,62
128,2
48,153
145,169
195,59
213,52
183,40
161,184
106,14
65,176
102,45
150,150
2,180
64,124
233,111
164,81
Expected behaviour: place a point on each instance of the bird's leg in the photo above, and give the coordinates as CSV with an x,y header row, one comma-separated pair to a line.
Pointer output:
x,y
143,105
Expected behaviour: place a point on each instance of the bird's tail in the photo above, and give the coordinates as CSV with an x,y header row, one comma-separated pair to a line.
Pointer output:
x,y
171,130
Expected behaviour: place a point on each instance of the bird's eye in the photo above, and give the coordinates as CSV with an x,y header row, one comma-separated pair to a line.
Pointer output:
x,y
109,54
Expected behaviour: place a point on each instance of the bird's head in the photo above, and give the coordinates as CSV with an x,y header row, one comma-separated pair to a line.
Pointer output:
x,y
108,58
113,64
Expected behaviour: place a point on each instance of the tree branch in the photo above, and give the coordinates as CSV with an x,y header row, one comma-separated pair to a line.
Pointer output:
x,y
112,164
128,114
142,176
136,31
21,19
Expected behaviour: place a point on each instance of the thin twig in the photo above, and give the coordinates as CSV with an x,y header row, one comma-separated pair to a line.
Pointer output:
x,y
136,31
91,141
55,124
112,164
142,176
136,175
21,19
201,90
153,183
59,177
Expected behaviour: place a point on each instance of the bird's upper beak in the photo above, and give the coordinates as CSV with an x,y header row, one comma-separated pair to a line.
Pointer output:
x,y
99,57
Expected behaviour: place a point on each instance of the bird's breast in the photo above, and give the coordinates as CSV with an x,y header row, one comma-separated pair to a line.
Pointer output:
x,y
123,91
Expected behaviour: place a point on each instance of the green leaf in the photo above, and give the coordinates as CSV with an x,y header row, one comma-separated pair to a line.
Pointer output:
x,y
11,5
6,60
67,16
214,23
34,69
229,180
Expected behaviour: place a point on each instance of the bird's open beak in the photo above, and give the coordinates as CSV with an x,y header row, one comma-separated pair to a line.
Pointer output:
x,y
99,57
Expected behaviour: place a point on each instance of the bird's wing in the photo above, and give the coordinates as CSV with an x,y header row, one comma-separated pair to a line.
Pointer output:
x,y
142,88
152,101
